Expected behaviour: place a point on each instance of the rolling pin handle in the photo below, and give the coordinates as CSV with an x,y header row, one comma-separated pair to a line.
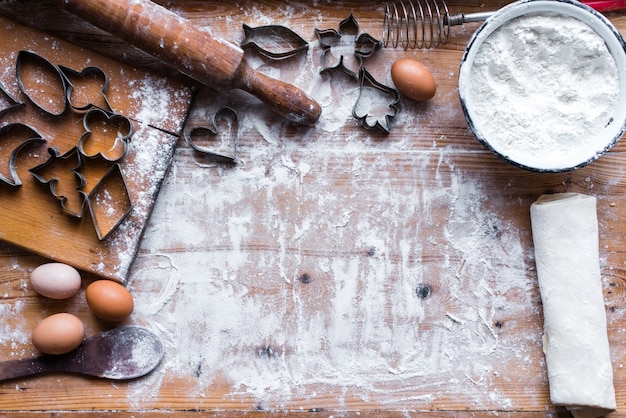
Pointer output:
x,y
194,52
285,99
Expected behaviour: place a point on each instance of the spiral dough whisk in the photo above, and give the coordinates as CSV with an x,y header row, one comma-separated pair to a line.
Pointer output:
x,y
417,24
420,24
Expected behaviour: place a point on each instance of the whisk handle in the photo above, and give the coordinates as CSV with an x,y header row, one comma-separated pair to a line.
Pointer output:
x,y
460,18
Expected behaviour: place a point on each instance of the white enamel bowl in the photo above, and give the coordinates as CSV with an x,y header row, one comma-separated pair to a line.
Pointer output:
x,y
596,145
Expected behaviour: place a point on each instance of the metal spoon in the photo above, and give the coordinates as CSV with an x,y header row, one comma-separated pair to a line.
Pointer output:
x,y
124,352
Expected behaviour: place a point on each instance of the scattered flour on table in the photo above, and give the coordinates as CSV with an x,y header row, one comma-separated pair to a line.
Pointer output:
x,y
14,333
543,86
148,157
357,325
334,303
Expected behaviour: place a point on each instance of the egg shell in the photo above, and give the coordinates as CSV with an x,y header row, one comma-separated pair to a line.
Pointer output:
x,y
109,300
58,334
55,280
413,79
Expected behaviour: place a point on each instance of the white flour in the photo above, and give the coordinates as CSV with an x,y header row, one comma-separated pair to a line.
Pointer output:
x,y
328,310
332,312
542,86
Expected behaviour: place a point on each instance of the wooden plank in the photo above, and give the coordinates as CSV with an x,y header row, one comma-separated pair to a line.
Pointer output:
x,y
335,271
67,231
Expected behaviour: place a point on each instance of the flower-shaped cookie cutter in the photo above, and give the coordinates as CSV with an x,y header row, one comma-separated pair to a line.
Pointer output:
x,y
346,44
273,41
107,135
369,84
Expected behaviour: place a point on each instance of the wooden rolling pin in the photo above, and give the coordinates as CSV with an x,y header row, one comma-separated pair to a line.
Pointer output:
x,y
194,52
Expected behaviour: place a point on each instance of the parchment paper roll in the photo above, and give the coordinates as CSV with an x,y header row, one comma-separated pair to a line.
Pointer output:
x,y
575,342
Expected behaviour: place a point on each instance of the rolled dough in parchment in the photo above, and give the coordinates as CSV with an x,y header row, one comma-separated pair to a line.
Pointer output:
x,y
576,346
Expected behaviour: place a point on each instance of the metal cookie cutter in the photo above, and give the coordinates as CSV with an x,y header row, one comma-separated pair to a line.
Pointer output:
x,y
223,138
7,101
273,41
42,82
347,37
80,88
16,137
102,146
107,135
362,108
56,168
109,202
88,175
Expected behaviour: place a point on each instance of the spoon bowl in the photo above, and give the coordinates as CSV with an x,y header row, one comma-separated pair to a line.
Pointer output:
x,y
121,353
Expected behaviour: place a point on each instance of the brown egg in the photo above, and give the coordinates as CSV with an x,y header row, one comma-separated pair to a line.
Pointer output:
x,y
58,334
109,300
413,79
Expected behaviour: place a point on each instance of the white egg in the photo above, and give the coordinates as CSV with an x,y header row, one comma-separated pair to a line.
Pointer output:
x,y
55,280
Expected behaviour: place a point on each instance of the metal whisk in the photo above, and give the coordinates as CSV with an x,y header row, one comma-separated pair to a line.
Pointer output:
x,y
421,23
426,23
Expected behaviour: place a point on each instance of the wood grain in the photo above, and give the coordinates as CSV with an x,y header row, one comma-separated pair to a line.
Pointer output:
x,y
63,230
294,282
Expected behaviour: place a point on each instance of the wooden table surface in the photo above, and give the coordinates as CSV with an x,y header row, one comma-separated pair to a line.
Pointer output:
x,y
335,270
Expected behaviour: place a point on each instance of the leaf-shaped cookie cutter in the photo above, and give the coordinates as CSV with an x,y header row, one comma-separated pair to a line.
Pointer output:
x,y
269,40
31,137
121,141
54,155
368,81
25,58
94,72
223,113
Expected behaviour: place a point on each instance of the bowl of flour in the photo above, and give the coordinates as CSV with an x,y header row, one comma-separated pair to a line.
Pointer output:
x,y
542,84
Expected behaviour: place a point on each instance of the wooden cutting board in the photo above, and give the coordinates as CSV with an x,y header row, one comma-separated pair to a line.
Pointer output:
x,y
88,211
